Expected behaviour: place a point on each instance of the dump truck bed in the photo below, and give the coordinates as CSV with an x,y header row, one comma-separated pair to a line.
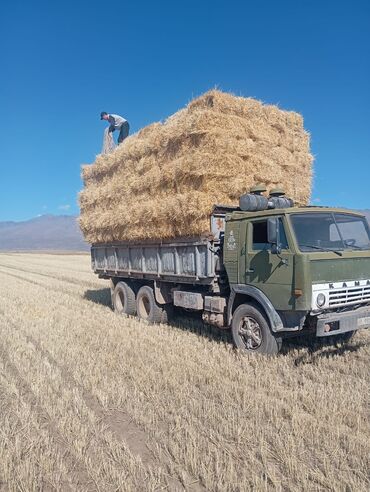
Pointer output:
x,y
185,260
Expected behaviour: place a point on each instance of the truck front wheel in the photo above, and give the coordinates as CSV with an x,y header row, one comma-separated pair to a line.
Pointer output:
x,y
123,299
147,307
251,331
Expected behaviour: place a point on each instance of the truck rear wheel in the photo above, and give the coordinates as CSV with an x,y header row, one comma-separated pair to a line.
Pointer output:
x,y
123,299
251,331
147,307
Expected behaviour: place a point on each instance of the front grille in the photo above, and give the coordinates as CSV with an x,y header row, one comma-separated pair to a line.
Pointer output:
x,y
349,295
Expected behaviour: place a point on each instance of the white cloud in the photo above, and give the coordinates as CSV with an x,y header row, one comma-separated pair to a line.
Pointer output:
x,y
316,200
64,207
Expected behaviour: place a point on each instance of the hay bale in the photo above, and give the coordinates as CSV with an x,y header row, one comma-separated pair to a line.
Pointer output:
x,y
163,181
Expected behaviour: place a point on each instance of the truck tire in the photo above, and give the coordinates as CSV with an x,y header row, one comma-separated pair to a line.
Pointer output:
x,y
123,299
147,307
251,331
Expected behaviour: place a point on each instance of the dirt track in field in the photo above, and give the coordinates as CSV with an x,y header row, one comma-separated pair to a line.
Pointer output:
x,y
92,401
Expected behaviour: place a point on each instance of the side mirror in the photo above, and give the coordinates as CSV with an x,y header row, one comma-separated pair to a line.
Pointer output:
x,y
273,235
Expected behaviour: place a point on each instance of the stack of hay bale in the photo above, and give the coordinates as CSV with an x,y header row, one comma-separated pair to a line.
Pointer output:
x,y
163,181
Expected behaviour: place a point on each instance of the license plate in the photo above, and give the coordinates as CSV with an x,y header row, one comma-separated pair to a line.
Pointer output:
x,y
363,321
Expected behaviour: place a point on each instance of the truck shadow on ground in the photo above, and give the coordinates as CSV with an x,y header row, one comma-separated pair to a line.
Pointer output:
x,y
315,350
99,296
190,321
183,320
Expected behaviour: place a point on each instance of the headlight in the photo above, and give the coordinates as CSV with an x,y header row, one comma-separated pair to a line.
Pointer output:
x,y
320,300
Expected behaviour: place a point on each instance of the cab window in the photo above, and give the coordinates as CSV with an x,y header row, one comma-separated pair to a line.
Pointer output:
x,y
259,236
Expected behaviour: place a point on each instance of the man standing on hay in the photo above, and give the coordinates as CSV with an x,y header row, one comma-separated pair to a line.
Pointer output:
x,y
116,122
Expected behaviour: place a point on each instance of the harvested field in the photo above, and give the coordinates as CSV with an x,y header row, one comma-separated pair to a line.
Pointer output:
x,y
163,181
91,401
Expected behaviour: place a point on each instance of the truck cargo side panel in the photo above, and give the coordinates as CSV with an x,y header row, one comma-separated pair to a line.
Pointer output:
x,y
192,261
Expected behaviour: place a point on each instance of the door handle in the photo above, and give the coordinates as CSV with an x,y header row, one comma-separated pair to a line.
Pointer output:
x,y
250,270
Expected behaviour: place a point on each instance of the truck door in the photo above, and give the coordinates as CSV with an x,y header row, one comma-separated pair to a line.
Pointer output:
x,y
271,273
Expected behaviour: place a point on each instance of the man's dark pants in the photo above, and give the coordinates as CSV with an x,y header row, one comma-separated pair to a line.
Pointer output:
x,y
123,133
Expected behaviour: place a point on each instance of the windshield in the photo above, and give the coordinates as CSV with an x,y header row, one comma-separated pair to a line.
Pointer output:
x,y
330,231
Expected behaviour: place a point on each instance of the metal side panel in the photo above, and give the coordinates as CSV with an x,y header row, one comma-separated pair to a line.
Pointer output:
x,y
100,258
168,259
136,259
187,260
123,259
111,258
151,260
191,261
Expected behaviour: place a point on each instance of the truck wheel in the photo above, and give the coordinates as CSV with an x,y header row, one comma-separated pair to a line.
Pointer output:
x,y
123,299
147,307
251,331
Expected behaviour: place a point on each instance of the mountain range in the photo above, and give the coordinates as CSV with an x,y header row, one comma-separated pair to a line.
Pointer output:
x,y
47,232
50,233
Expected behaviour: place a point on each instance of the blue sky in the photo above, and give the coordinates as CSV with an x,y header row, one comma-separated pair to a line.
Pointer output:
x,y
63,62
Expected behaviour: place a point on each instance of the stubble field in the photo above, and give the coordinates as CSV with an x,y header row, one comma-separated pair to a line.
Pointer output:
x,y
92,401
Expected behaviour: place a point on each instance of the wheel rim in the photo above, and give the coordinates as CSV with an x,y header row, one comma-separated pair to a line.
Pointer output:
x,y
250,332
120,301
144,307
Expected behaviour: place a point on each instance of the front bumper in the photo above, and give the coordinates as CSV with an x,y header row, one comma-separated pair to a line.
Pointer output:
x,y
329,324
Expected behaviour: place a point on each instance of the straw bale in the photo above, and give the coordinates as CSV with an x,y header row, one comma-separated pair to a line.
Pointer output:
x,y
163,181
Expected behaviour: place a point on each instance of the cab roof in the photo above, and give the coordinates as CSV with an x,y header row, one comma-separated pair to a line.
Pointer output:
x,y
240,214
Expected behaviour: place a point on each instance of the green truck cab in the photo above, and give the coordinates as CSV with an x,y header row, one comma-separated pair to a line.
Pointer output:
x,y
294,271
267,270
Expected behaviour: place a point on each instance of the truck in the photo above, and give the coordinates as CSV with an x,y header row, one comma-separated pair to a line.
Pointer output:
x,y
266,270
